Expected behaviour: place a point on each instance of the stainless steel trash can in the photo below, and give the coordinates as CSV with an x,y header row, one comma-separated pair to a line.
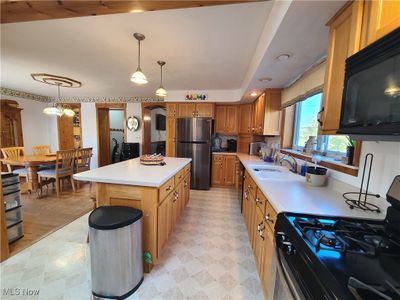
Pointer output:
x,y
115,235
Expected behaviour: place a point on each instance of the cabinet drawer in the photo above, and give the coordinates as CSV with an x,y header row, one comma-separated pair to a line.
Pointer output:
x,y
261,201
166,188
179,176
218,157
270,215
13,216
250,185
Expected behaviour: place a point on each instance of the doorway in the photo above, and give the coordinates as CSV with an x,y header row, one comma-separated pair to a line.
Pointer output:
x,y
153,130
111,131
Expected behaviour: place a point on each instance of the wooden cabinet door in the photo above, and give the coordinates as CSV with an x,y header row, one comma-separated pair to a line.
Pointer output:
x,y
66,132
162,224
220,117
181,197
171,109
384,17
258,118
217,170
186,183
230,170
268,250
170,213
170,148
272,117
243,143
171,128
251,218
345,31
175,207
205,110
231,119
259,238
186,110
245,119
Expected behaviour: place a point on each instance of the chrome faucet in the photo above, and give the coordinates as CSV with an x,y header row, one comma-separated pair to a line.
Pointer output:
x,y
293,165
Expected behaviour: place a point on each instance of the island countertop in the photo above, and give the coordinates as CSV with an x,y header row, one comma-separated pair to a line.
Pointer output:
x,y
132,172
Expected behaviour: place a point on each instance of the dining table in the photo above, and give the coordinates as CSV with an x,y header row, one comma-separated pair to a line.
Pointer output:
x,y
32,164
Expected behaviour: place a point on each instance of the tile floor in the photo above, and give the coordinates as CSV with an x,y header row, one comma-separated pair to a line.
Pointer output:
x,y
207,257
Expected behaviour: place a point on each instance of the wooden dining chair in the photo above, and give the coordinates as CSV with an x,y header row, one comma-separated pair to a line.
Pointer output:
x,y
83,158
65,161
41,149
12,152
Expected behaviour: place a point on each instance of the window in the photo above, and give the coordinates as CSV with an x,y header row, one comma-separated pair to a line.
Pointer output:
x,y
307,125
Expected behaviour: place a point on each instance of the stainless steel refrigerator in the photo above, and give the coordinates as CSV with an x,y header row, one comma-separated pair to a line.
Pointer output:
x,y
193,140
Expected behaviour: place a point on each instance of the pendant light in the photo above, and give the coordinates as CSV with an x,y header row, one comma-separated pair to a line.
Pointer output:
x,y
161,92
138,77
54,109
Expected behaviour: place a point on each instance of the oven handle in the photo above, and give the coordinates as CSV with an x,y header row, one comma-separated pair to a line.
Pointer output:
x,y
289,280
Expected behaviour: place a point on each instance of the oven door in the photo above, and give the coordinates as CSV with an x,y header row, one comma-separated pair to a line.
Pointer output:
x,y
285,286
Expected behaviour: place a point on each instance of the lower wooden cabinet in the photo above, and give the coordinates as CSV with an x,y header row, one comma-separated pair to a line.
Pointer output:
x,y
223,170
259,217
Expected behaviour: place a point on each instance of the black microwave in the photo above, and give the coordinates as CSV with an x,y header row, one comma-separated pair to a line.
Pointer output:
x,y
371,94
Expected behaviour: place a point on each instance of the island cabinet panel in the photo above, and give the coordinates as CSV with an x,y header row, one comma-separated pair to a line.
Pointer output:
x,y
161,207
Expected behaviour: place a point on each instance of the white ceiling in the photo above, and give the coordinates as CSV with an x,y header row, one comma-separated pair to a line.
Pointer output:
x,y
205,49
222,50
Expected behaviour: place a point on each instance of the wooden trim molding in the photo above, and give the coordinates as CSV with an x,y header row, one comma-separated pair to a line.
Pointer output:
x,y
350,170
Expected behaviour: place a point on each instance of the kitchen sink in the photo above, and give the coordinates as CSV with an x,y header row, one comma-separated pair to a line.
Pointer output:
x,y
273,172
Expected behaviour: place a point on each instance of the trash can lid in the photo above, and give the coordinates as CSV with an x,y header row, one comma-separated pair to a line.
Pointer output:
x,y
113,217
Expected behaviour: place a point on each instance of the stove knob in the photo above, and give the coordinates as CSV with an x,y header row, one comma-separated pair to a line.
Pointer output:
x,y
289,248
281,236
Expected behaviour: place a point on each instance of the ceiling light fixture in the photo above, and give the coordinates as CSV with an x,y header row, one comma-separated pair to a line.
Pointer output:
x,y
264,79
253,94
283,57
138,77
161,92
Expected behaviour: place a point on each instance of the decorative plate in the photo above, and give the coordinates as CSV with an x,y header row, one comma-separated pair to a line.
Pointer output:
x,y
132,123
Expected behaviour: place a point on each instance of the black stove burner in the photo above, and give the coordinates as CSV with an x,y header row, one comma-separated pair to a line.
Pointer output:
x,y
327,238
346,236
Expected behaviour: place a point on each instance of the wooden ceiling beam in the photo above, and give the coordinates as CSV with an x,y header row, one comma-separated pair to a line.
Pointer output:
x,y
13,11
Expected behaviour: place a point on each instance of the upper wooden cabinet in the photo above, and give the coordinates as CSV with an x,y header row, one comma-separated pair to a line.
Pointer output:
x,y
267,113
186,110
245,118
171,109
344,40
272,113
258,116
226,119
383,16
190,110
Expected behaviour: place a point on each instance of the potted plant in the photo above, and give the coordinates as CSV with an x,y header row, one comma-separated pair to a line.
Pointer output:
x,y
351,144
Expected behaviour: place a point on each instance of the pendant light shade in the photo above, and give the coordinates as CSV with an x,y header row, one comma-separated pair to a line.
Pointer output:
x,y
51,110
58,109
161,92
138,77
68,112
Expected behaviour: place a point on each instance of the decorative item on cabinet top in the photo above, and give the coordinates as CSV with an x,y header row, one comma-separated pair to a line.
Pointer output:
x,y
196,97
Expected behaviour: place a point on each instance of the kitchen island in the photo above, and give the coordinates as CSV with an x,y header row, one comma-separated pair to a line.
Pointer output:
x,y
161,192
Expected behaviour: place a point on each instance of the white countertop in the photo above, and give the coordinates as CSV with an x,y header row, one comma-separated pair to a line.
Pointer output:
x,y
132,172
296,196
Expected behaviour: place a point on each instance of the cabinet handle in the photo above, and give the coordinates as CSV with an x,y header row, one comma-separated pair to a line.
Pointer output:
x,y
319,114
245,195
260,233
168,188
268,218
258,201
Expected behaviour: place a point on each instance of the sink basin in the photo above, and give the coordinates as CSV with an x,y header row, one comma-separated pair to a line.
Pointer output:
x,y
273,172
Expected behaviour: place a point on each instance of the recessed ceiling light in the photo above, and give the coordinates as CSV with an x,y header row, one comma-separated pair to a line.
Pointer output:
x,y
264,79
284,56
253,94
137,10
